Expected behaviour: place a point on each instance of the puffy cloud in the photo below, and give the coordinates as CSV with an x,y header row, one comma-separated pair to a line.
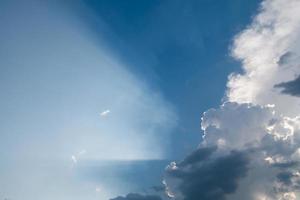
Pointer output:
x,y
235,124
247,152
269,52
269,136
260,123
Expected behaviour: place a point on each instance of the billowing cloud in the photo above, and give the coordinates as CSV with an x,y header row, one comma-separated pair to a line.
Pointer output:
x,y
250,148
251,143
269,52
246,147
235,124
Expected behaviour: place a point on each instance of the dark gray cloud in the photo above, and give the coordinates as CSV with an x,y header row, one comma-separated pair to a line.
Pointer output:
x,y
205,176
290,87
285,58
135,196
285,177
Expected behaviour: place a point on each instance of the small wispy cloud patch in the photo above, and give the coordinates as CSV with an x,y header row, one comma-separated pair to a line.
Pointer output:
x,y
203,175
290,87
105,113
75,158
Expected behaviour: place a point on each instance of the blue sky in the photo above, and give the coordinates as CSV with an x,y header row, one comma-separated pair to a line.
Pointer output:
x,y
99,96
179,48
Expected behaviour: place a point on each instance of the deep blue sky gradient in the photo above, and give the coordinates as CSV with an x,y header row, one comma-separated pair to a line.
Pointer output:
x,y
180,47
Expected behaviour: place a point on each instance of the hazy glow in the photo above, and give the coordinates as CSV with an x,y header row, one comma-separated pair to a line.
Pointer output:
x,y
55,80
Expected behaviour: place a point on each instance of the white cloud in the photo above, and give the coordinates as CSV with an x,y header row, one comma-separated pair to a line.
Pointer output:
x,y
259,120
235,125
269,52
270,166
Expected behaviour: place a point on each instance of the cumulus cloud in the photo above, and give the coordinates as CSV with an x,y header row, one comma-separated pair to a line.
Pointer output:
x,y
251,143
269,52
235,124
247,153
250,148
104,113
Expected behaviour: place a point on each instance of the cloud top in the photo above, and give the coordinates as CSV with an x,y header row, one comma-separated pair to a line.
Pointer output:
x,y
251,142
